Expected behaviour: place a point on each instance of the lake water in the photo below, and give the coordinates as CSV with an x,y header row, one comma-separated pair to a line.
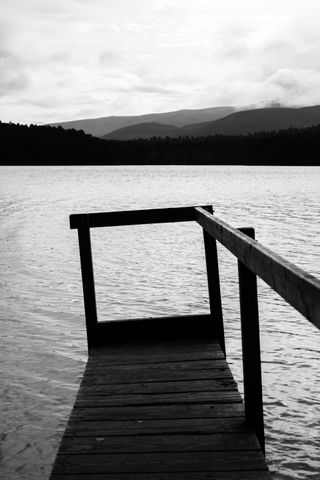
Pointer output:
x,y
144,271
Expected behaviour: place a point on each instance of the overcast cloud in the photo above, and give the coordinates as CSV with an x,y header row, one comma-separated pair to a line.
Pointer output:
x,y
68,59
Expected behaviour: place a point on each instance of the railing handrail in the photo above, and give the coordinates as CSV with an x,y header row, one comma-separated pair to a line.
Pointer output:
x,y
136,217
299,288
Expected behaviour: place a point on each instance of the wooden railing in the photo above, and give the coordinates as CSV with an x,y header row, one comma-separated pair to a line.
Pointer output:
x,y
297,287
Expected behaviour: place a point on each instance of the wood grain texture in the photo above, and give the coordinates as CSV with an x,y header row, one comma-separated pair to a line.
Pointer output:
x,y
174,366
151,352
155,376
160,411
236,475
157,412
85,398
155,388
157,427
167,347
161,443
160,462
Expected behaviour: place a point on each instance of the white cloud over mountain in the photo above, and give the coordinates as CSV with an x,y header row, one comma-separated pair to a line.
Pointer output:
x,y
62,60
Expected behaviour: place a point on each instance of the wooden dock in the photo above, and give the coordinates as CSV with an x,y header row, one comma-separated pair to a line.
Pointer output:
x,y
157,399
163,410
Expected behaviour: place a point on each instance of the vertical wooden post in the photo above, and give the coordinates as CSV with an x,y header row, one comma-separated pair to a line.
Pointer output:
x,y
210,246
251,347
89,295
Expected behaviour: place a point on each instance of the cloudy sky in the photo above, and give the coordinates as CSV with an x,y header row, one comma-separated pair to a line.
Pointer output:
x,y
71,59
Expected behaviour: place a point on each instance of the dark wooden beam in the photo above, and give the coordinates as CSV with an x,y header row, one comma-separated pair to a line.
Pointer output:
x,y
213,278
135,217
148,329
89,295
297,287
251,356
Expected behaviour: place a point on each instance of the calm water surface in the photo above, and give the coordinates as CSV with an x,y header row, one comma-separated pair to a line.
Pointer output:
x,y
144,271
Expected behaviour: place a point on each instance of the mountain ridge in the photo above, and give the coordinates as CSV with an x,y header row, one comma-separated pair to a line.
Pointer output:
x,y
242,122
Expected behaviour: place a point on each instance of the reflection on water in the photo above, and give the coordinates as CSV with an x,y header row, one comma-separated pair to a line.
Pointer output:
x,y
144,271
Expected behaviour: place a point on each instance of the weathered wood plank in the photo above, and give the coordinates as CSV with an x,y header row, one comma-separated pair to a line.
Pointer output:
x,y
182,344
156,412
159,348
158,360
161,443
136,357
133,217
155,427
161,345
243,475
157,462
297,287
177,366
100,388
85,398
138,375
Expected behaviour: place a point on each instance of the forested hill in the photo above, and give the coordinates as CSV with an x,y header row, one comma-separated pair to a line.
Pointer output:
x,y
44,145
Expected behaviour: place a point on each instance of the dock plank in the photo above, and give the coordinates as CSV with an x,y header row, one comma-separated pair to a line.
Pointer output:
x,y
165,410
231,475
154,412
86,398
160,462
161,443
147,427
176,365
149,353
100,386
163,374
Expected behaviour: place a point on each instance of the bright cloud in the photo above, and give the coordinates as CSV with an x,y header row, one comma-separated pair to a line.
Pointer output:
x,y
63,60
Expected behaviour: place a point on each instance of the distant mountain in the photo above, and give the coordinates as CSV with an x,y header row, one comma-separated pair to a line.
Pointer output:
x,y
237,123
258,120
104,125
143,131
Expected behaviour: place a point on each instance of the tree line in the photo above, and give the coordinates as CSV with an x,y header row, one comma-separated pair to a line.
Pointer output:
x,y
45,145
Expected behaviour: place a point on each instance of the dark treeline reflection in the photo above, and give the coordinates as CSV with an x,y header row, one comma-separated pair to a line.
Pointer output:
x,y
44,145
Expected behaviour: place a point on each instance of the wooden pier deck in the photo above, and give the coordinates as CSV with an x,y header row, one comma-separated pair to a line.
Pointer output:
x,y
157,400
159,410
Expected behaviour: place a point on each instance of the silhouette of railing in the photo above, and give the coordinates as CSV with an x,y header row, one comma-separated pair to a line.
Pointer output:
x,y
297,287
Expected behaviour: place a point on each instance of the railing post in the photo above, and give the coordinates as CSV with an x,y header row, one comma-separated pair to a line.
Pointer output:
x,y
89,295
251,347
210,246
